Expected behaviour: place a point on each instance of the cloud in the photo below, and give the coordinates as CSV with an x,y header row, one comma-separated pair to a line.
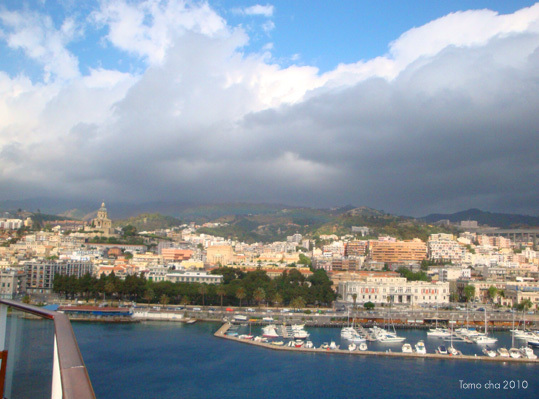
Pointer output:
x,y
264,11
41,41
441,122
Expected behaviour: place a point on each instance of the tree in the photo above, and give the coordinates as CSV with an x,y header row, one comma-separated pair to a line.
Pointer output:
x,y
129,231
203,290
368,305
185,300
469,292
298,303
492,293
26,299
525,305
221,291
149,295
277,299
240,294
354,298
164,300
259,295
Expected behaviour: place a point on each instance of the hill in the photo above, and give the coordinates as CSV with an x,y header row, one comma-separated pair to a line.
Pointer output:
x,y
149,222
503,220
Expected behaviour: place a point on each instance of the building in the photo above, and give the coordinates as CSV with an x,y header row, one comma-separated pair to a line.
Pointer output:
x,y
398,251
12,283
176,254
443,247
395,290
514,294
11,224
102,224
40,275
223,254
355,248
194,277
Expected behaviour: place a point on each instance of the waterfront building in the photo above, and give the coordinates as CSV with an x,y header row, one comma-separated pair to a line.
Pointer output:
x,y
182,276
40,274
515,293
12,283
396,290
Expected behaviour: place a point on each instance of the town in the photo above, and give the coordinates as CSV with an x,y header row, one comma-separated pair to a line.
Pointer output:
x,y
92,261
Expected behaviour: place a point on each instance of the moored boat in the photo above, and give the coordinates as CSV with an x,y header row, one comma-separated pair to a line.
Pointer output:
x,y
420,348
407,348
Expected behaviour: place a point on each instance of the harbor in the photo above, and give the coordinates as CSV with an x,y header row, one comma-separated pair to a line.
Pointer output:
x,y
389,353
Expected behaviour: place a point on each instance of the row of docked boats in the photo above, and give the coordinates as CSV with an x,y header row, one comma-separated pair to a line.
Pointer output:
x,y
295,331
524,352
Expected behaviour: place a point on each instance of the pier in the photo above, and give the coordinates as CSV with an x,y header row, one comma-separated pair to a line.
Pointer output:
x,y
221,333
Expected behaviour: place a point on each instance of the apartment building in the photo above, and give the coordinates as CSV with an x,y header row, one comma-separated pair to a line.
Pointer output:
x,y
398,251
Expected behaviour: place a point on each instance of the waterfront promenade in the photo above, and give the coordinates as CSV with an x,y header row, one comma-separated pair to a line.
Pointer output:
x,y
221,333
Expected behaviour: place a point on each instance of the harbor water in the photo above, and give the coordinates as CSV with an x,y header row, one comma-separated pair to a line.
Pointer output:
x,y
175,360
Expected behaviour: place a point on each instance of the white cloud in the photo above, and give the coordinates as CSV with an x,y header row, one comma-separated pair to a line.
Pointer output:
x,y
265,11
37,36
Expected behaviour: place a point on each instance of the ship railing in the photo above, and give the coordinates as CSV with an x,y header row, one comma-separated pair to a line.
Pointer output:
x,y
70,379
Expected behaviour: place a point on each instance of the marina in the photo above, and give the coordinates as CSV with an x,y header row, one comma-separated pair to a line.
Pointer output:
x,y
391,352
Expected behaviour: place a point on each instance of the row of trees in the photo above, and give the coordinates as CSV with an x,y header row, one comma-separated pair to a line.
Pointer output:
x,y
238,288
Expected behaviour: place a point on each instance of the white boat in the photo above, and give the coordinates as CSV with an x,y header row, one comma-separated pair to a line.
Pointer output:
x,y
298,343
442,350
352,335
352,347
452,351
301,334
489,352
438,332
363,346
269,332
420,348
503,352
407,348
246,336
324,346
332,345
527,353
297,327
308,345
534,342
515,353
290,344
484,339
277,343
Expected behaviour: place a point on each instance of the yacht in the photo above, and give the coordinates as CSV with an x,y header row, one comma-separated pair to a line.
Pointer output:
x,y
534,342
363,346
407,348
527,353
350,334
442,350
332,345
452,351
269,332
298,343
503,352
485,340
515,353
301,334
420,348
352,347
489,352
385,336
438,332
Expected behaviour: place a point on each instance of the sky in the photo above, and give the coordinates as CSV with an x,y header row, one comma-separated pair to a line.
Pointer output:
x,y
412,107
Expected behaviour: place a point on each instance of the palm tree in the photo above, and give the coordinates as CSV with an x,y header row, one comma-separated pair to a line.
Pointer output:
x,y
221,292
354,298
148,295
203,290
259,295
164,300
240,294
298,303
277,299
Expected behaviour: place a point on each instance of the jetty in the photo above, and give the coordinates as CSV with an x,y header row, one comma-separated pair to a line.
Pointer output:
x,y
221,333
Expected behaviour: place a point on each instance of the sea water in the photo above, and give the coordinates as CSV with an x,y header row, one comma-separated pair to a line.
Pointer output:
x,y
174,360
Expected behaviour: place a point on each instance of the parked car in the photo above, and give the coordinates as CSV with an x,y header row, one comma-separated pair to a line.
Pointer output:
x,y
197,309
250,310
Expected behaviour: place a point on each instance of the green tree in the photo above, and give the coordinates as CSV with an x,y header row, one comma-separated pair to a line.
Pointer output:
x,y
164,300
221,291
525,305
492,293
129,231
368,305
203,290
259,295
469,292
298,303
354,298
277,299
149,294
240,294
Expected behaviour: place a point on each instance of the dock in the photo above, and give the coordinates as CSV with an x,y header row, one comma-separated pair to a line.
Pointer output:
x,y
221,333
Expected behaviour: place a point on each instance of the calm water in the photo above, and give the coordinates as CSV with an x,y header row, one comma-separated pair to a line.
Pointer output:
x,y
162,360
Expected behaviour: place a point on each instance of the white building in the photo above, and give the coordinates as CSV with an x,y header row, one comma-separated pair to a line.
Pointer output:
x,y
444,247
194,277
396,290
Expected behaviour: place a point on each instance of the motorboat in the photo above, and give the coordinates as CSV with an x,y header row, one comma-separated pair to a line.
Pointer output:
x,y
439,332
485,340
515,353
324,346
442,350
420,348
527,353
407,348
246,336
277,343
352,347
308,345
352,335
489,352
301,334
332,345
298,343
502,352
291,344
385,336
533,342
363,346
